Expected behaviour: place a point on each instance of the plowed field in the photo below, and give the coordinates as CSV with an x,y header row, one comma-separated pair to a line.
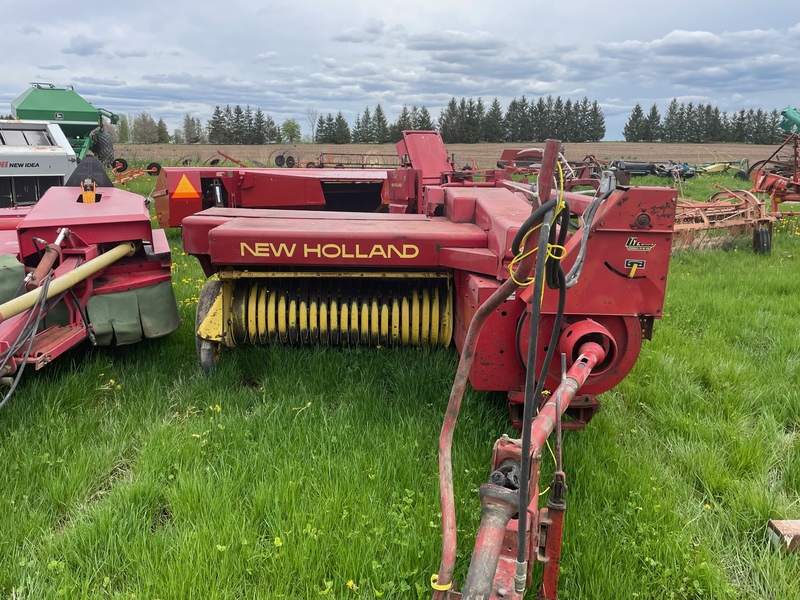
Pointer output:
x,y
485,155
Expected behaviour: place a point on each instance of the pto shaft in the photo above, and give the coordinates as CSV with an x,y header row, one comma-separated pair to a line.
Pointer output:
x,y
61,284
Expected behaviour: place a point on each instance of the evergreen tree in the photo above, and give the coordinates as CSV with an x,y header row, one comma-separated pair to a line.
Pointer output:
x,y
424,120
341,133
597,124
493,129
191,130
356,133
583,114
775,135
177,136
229,125
513,121
259,131
216,127
318,134
367,131
380,126
472,114
403,122
538,119
633,128
238,130
651,126
248,126
273,131
557,119
448,123
162,133
671,126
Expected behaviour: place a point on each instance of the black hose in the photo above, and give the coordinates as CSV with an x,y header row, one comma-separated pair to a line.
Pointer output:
x,y
28,333
535,216
530,375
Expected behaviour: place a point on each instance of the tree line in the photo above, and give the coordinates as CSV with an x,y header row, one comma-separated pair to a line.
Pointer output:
x,y
469,121
464,121
703,123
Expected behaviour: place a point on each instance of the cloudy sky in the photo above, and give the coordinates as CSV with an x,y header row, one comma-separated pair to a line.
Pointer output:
x,y
170,58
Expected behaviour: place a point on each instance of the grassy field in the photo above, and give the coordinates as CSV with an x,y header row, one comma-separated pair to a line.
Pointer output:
x,y
129,474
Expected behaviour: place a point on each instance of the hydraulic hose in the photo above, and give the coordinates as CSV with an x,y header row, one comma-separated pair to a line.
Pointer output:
x,y
444,577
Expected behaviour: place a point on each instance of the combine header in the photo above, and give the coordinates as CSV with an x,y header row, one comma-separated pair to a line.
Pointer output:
x,y
83,263
532,306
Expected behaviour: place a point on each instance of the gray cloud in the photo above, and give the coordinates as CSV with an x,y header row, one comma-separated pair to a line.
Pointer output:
x,y
83,45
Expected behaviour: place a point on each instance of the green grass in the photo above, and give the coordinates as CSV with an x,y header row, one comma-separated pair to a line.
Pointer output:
x,y
127,473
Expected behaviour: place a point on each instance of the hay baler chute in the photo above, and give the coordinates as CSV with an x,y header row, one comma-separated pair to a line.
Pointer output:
x,y
436,267
91,267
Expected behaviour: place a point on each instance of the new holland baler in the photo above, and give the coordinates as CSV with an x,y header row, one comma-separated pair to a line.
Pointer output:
x,y
547,296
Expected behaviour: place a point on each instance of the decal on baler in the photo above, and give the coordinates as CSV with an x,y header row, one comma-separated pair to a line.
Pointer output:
x,y
633,243
330,251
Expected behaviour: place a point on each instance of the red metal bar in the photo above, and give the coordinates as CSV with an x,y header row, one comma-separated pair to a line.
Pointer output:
x,y
449,537
484,574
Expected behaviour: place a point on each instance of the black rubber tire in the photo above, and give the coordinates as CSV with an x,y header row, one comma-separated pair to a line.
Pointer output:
x,y
767,240
103,148
118,165
762,241
208,352
279,160
310,165
290,162
154,168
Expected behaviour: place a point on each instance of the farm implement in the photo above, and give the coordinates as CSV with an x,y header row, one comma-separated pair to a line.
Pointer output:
x,y
83,263
727,214
122,174
528,162
551,315
778,177
183,191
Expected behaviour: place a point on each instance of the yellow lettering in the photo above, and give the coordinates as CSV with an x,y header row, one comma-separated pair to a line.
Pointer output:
x,y
331,251
259,249
377,250
345,254
359,254
408,248
282,250
309,250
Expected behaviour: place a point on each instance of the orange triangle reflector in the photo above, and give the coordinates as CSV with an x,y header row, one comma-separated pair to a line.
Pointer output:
x,y
185,191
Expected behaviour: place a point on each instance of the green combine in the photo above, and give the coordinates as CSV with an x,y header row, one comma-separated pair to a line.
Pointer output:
x,y
81,122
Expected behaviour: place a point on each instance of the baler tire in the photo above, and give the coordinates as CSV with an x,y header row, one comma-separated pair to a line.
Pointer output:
x,y
154,168
208,352
103,148
280,160
290,162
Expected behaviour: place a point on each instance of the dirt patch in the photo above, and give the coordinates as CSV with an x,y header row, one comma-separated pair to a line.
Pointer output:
x,y
484,155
